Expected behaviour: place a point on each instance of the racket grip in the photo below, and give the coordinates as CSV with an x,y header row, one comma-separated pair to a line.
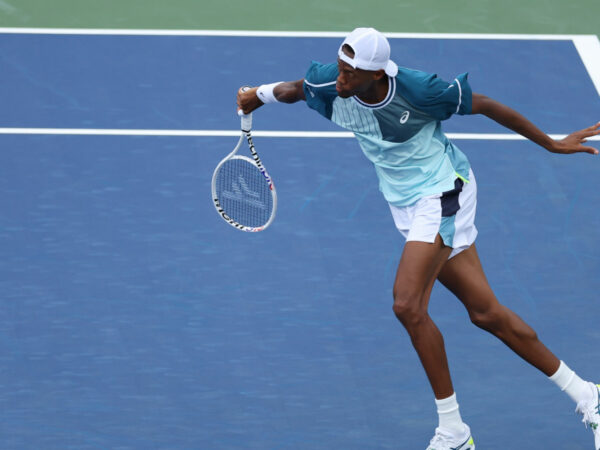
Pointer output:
x,y
246,120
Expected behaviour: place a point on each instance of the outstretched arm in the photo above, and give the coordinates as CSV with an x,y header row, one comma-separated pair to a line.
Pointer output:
x,y
515,121
286,92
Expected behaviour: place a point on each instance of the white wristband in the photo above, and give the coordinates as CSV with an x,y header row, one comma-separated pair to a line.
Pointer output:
x,y
265,93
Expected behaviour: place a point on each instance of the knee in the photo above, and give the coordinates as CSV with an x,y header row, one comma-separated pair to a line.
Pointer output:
x,y
408,310
489,319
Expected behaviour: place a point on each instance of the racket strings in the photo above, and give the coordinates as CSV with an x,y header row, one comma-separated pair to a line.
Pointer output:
x,y
244,193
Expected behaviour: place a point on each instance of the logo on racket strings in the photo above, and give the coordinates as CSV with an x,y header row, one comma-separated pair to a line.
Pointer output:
x,y
241,192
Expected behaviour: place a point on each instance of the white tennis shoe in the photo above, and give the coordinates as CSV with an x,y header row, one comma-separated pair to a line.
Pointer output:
x,y
591,415
447,441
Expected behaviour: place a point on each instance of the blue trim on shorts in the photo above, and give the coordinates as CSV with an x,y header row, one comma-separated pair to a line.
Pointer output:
x,y
447,230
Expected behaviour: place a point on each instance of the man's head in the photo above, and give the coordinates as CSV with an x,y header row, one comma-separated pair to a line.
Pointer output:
x,y
363,59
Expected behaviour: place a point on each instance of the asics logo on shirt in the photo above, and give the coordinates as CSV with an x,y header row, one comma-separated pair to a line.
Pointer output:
x,y
404,117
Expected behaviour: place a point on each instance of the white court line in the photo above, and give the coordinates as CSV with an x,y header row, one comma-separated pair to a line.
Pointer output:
x,y
257,133
588,48
301,34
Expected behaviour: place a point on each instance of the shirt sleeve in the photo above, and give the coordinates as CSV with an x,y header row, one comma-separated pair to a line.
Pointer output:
x,y
435,96
319,87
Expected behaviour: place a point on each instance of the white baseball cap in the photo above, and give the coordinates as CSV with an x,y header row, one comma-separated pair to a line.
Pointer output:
x,y
371,51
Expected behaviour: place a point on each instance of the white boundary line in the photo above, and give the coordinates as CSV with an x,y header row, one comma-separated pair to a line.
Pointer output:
x,y
250,33
234,133
587,45
588,48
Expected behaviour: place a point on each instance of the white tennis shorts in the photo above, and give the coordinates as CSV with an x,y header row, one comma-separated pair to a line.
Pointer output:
x,y
450,214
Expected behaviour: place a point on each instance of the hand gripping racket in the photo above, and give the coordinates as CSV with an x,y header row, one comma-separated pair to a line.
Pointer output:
x,y
242,190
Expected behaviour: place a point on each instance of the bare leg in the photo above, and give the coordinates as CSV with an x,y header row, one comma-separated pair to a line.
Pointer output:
x,y
463,275
417,271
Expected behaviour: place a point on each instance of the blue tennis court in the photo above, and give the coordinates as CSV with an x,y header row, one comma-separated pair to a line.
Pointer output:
x,y
133,317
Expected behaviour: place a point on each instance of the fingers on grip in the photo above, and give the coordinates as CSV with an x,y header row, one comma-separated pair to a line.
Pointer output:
x,y
243,89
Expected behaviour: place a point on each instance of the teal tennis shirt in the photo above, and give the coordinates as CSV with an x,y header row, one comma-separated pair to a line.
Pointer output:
x,y
402,136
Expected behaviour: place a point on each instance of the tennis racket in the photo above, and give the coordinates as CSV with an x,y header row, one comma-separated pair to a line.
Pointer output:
x,y
242,190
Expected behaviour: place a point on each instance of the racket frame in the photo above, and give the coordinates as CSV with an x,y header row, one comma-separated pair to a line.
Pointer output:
x,y
246,133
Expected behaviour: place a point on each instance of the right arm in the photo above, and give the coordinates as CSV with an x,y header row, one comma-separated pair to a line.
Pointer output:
x,y
286,92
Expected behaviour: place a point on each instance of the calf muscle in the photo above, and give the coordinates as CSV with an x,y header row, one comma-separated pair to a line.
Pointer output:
x,y
464,277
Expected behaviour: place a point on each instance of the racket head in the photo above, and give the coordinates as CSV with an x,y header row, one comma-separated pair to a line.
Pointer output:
x,y
243,194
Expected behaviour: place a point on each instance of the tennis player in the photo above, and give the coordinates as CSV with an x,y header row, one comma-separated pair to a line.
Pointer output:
x,y
396,113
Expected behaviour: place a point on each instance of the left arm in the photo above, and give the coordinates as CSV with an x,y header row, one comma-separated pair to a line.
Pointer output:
x,y
515,121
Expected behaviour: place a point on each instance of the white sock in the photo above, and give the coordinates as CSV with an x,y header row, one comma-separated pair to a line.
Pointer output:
x,y
568,381
449,415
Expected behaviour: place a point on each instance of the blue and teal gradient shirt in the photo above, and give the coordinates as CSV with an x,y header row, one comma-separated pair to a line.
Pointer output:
x,y
402,136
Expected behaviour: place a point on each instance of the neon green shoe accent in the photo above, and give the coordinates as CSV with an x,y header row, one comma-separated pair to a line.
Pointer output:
x,y
471,441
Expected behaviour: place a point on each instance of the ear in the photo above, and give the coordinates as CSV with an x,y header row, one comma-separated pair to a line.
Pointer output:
x,y
378,74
